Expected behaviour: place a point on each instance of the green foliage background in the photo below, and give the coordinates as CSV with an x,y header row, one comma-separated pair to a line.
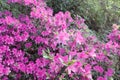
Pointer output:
x,y
99,14
16,9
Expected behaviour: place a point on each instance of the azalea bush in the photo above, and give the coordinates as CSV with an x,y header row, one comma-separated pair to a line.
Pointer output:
x,y
42,46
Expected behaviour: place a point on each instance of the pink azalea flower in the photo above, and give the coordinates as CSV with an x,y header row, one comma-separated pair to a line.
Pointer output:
x,y
4,49
9,20
68,16
98,69
86,71
74,67
21,66
9,40
115,26
28,2
41,73
71,68
3,29
6,71
38,40
1,70
28,45
92,53
17,53
54,68
40,49
62,51
109,72
79,22
82,55
64,26
7,13
10,61
79,38
25,36
18,38
100,56
62,37
101,78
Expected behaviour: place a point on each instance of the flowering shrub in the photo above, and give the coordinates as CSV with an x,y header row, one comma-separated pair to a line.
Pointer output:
x,y
43,46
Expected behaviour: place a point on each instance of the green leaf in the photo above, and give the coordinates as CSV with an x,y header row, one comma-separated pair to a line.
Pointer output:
x,y
71,62
46,55
111,78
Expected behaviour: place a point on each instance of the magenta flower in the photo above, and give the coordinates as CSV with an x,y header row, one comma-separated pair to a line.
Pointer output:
x,y
63,37
25,36
86,71
9,40
38,40
82,55
4,49
1,70
7,13
101,78
10,61
28,45
92,53
28,2
9,20
6,70
109,72
101,56
79,38
22,67
18,38
3,29
98,69
40,73
74,67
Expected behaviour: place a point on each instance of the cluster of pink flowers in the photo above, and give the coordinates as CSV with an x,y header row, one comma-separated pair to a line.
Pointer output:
x,y
46,46
113,44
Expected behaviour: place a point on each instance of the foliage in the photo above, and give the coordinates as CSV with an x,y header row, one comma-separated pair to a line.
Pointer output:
x,y
39,45
99,14
16,9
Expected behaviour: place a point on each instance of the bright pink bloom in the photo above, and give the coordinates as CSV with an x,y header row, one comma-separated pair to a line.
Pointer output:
x,y
63,37
28,45
109,72
6,71
79,38
83,55
28,2
9,40
38,40
98,69
101,78
74,67
25,36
